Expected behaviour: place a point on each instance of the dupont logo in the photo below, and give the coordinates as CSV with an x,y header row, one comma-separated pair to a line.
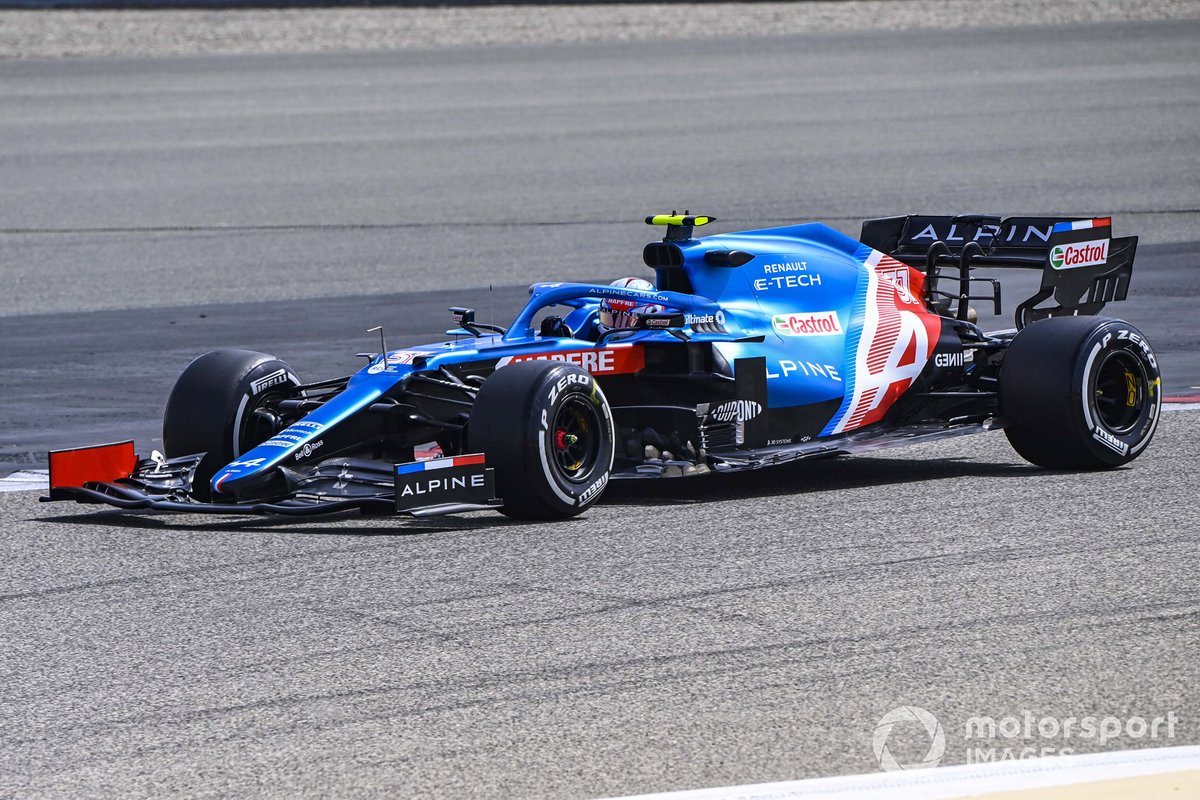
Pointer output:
x,y
737,411
1079,254
811,323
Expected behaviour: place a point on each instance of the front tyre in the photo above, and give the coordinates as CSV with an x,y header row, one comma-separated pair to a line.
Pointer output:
x,y
547,430
1080,393
212,409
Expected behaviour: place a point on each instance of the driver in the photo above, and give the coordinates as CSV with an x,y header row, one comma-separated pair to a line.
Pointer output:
x,y
617,314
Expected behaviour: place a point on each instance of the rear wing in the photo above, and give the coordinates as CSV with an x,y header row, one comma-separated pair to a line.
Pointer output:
x,y
1083,267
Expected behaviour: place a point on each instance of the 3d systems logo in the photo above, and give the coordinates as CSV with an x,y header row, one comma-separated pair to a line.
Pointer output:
x,y
904,715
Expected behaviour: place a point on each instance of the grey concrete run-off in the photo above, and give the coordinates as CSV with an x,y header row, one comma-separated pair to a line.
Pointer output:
x,y
708,633
150,32
143,183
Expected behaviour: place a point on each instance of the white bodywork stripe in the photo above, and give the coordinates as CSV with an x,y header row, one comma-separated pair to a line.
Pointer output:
x,y
870,326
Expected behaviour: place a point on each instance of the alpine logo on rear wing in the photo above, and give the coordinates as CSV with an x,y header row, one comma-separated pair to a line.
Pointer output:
x,y
1082,266
912,235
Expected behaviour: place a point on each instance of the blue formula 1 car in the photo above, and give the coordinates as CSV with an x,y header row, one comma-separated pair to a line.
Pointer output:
x,y
748,350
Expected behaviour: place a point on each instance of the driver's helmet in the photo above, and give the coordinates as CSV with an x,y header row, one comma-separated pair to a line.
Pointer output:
x,y
617,314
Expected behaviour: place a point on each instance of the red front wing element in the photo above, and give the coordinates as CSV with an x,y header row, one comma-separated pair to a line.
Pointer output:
x,y
101,463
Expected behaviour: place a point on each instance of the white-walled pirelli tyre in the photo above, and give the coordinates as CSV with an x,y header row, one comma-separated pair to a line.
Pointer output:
x,y
547,430
1080,393
211,409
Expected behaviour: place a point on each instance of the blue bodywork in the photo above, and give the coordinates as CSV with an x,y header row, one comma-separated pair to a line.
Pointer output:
x,y
802,270
749,350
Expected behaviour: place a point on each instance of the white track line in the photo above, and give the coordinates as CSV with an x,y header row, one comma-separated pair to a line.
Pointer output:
x,y
27,480
941,783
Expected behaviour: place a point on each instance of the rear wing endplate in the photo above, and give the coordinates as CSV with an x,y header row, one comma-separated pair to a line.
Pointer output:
x,y
1083,267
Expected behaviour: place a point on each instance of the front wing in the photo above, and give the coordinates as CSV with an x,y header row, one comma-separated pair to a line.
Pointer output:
x,y
419,489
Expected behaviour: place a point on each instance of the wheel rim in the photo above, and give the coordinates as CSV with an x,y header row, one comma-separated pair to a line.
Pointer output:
x,y
1120,393
576,439
259,424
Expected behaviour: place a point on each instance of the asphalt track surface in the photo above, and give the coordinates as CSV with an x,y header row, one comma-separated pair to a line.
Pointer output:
x,y
725,631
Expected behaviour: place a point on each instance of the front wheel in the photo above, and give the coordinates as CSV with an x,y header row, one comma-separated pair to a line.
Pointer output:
x,y
1080,393
547,430
212,409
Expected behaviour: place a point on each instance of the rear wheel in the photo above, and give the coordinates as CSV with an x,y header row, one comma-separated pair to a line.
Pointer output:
x,y
212,409
547,430
1080,393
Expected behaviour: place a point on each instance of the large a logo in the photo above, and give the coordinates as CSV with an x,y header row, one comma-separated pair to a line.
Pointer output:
x,y
809,323
909,718
898,337
1079,254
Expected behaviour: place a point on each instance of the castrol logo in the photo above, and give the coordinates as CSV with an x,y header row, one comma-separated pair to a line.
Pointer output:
x,y
1079,254
811,323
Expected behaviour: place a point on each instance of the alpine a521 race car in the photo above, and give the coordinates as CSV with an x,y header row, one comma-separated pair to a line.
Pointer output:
x,y
748,350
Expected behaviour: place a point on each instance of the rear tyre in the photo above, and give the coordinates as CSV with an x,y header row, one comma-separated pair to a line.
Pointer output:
x,y
547,430
1080,393
211,409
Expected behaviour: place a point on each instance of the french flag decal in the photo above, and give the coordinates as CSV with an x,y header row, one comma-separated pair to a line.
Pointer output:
x,y
440,463
464,482
1083,224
